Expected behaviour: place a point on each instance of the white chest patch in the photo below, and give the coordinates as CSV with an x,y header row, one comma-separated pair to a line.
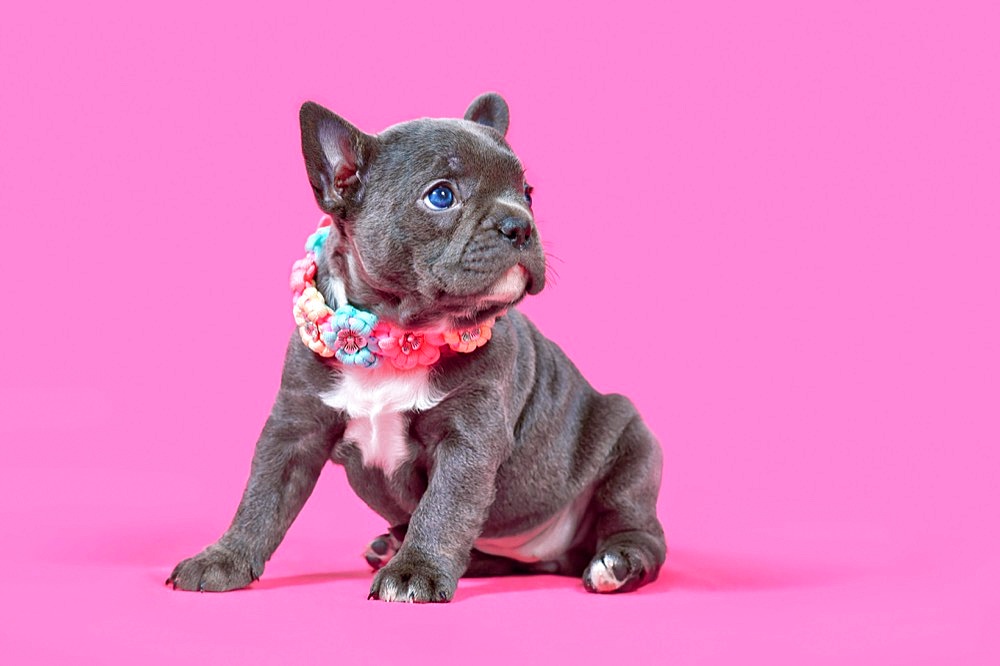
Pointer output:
x,y
376,401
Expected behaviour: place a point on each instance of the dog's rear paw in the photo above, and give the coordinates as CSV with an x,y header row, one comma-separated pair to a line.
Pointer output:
x,y
617,569
384,546
215,569
380,551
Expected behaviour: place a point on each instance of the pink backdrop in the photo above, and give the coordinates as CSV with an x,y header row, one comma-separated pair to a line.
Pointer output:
x,y
796,207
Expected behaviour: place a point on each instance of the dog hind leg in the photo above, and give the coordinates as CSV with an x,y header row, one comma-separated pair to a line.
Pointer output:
x,y
630,542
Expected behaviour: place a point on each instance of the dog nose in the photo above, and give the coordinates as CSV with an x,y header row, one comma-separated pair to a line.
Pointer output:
x,y
516,230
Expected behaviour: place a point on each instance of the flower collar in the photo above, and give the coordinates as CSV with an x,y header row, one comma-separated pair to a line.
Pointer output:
x,y
358,338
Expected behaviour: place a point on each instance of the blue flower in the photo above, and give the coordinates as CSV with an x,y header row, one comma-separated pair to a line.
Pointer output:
x,y
316,239
350,336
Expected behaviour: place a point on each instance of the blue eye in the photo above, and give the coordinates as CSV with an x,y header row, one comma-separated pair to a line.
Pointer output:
x,y
528,189
440,197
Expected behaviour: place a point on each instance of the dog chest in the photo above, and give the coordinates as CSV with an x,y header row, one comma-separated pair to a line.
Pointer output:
x,y
376,401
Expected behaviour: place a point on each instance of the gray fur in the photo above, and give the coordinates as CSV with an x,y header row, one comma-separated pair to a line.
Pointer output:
x,y
520,434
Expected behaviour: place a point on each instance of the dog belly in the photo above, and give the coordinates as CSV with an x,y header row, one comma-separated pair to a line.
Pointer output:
x,y
542,543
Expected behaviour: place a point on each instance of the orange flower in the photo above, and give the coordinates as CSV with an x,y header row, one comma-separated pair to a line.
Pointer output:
x,y
311,314
469,339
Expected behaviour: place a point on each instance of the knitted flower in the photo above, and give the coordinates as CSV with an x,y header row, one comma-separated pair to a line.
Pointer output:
x,y
303,275
350,336
316,239
469,339
406,349
312,317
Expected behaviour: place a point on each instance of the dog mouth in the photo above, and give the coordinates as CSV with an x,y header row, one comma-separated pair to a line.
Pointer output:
x,y
505,292
456,299
510,287
479,317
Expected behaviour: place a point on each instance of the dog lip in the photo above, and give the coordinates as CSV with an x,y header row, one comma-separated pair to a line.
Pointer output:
x,y
530,287
536,279
510,286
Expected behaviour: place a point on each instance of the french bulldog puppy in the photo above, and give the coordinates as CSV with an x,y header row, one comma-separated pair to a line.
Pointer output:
x,y
486,459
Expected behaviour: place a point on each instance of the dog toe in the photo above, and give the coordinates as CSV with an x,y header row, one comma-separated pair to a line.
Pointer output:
x,y
614,570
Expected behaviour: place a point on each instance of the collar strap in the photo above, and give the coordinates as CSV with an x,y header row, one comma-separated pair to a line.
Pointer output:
x,y
359,338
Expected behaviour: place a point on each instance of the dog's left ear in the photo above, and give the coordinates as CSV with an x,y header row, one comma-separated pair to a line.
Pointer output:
x,y
491,110
337,155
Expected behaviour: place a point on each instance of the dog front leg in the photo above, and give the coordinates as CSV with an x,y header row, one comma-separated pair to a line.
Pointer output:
x,y
447,520
287,462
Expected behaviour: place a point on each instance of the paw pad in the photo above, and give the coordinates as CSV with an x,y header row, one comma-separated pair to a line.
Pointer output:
x,y
380,550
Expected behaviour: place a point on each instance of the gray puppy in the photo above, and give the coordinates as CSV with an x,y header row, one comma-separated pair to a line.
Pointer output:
x,y
495,458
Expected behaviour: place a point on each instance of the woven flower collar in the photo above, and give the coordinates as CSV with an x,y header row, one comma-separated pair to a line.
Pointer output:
x,y
358,338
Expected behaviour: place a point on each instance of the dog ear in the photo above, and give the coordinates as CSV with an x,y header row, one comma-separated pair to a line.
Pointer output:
x,y
337,155
491,110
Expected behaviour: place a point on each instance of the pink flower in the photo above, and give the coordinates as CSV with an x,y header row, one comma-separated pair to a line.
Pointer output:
x,y
408,349
303,275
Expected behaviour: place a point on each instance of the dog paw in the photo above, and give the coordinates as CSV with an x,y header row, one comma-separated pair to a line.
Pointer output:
x,y
380,550
413,581
617,569
215,569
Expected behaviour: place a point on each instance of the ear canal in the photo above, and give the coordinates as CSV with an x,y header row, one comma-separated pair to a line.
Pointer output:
x,y
336,154
491,110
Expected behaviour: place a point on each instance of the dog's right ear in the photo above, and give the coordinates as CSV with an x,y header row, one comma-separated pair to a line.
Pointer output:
x,y
337,155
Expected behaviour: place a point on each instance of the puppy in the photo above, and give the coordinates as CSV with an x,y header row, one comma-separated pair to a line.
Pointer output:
x,y
456,420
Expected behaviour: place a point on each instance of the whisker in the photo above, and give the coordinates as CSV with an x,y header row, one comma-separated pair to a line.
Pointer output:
x,y
550,271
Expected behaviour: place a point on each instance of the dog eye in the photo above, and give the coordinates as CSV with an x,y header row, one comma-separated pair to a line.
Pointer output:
x,y
528,189
440,198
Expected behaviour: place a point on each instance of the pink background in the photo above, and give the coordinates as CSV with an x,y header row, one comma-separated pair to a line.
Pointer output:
x,y
796,207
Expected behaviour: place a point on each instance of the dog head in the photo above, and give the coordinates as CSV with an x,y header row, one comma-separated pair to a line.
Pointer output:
x,y
432,217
